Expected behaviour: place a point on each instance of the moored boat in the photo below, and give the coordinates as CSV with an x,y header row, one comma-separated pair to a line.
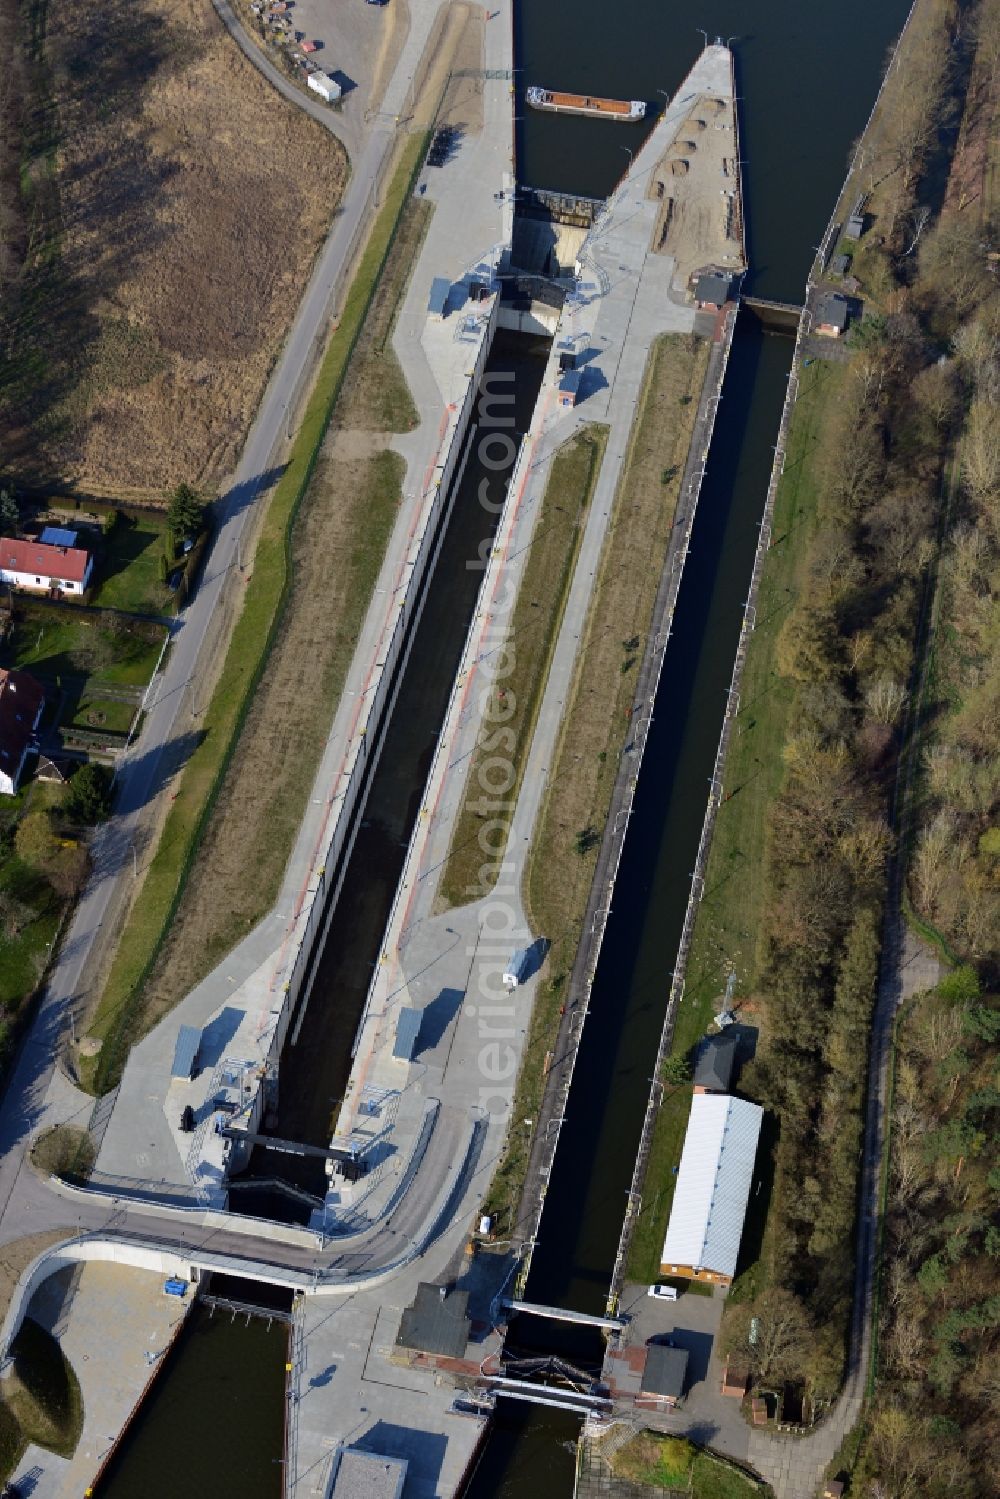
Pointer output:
x,y
626,110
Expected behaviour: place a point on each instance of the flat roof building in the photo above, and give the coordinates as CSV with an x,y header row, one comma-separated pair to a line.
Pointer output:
x,y
713,1184
328,88
367,1475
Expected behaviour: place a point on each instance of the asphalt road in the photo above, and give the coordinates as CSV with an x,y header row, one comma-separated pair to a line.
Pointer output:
x,y
173,712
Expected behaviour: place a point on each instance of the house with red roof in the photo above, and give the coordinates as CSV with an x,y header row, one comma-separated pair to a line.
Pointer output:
x,y
21,704
38,567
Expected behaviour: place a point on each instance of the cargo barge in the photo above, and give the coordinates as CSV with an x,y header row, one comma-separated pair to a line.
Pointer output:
x,y
627,110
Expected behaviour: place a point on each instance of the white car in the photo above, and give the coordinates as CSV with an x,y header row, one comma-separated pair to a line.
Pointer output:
x,y
663,1293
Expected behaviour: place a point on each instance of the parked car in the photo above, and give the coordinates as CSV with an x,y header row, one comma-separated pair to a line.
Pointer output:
x,y
663,1293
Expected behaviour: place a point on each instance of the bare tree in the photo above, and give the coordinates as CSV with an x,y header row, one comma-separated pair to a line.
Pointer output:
x,y
884,699
981,450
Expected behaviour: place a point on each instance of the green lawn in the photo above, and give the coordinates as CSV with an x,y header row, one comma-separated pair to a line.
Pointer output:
x,y
666,1462
30,910
98,715
729,916
127,568
713,1478
58,643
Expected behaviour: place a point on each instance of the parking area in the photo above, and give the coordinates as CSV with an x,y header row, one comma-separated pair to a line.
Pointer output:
x,y
355,42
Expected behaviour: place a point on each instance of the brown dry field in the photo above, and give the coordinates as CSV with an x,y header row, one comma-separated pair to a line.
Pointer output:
x,y
338,542
193,200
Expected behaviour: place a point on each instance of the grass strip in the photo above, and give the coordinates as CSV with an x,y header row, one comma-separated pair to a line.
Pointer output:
x,y
596,723
730,915
119,1011
541,603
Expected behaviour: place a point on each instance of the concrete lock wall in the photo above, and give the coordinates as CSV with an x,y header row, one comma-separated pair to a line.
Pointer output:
x,y
324,886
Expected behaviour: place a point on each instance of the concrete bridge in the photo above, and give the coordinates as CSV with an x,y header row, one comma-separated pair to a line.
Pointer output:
x,y
777,317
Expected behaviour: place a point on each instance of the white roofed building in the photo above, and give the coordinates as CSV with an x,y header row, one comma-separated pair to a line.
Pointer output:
x,y
713,1184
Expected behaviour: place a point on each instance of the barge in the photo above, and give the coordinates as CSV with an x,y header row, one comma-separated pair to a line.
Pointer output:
x,y
626,110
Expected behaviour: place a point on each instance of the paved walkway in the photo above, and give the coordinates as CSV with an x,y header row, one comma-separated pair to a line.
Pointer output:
x,y
113,1324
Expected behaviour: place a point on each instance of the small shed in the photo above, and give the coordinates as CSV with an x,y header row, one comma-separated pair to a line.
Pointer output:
x,y
328,88
831,314
185,1063
516,970
308,47
855,226
664,1372
712,290
437,1322
408,1020
735,1378
833,1489
840,265
713,1071
569,388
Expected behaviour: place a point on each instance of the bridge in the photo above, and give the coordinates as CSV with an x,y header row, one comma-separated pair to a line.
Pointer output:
x,y
560,1314
782,317
565,208
335,1152
580,1402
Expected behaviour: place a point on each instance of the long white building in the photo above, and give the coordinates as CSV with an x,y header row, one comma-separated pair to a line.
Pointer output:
x,y
713,1185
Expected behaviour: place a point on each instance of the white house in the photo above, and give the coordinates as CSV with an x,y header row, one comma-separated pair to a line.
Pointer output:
x,y
21,704
39,568
328,88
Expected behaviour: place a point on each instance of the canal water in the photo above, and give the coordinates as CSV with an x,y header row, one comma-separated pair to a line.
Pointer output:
x,y
806,75
214,1420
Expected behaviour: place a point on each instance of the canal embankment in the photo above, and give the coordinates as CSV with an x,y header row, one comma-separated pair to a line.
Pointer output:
x,y
262,978
715,797
574,1007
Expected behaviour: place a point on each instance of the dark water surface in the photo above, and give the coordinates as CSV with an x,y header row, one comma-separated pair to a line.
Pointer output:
x,y
214,1422
806,74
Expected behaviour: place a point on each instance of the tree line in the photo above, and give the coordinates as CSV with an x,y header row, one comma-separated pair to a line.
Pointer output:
x,y
847,647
